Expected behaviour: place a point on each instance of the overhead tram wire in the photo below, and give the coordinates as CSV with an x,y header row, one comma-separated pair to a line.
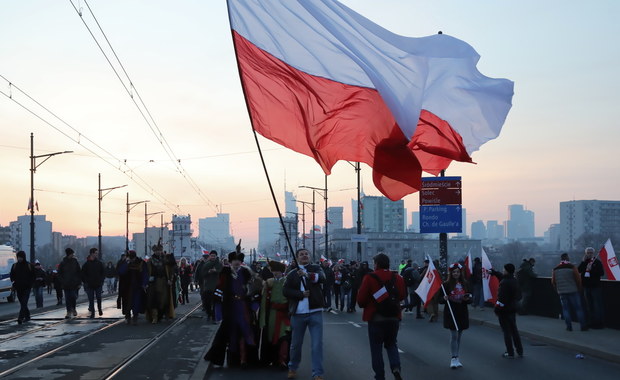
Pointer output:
x,y
152,124
133,176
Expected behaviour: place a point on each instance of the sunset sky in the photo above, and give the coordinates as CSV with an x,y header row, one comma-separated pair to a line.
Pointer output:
x,y
559,143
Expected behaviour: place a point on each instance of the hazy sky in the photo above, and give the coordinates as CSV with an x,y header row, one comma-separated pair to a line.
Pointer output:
x,y
559,142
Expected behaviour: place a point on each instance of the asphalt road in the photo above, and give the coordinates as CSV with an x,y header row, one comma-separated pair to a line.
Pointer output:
x,y
426,355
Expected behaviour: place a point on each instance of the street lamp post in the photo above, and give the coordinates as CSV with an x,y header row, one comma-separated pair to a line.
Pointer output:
x,y
147,216
324,195
129,207
303,222
33,169
101,195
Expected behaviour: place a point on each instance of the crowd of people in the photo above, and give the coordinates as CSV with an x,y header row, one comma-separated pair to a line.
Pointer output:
x,y
265,310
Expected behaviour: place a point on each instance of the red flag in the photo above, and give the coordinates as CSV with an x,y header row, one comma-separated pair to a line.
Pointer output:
x,y
468,269
317,229
430,284
610,261
324,81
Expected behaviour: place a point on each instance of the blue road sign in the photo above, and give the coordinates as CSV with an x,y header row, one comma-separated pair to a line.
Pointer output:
x,y
442,218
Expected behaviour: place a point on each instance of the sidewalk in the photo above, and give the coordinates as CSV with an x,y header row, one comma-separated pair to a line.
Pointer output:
x,y
604,343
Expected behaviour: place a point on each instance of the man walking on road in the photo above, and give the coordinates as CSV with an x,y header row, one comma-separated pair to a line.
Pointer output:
x,y
22,278
303,290
70,277
378,290
93,276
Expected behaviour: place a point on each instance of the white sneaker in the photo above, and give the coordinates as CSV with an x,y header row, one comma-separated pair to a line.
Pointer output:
x,y
453,362
458,363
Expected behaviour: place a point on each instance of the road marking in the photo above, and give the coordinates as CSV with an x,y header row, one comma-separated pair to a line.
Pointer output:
x,y
355,324
401,351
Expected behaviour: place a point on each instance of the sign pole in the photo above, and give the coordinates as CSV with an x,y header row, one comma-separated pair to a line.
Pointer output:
x,y
443,249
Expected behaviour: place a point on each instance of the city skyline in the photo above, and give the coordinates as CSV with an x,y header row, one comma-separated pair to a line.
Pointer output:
x,y
562,64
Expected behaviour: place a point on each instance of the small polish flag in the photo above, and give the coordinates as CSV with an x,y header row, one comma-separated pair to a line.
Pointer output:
x,y
610,262
380,294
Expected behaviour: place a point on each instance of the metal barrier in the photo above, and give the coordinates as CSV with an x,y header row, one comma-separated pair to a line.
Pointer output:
x,y
545,301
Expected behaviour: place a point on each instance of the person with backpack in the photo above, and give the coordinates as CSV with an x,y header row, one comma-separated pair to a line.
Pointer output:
x,y
380,295
22,280
457,294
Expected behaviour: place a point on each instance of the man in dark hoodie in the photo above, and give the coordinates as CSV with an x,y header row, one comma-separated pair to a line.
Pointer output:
x,y
71,278
22,278
508,297
93,276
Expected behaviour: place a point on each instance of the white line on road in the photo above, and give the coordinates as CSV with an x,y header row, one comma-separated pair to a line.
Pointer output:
x,y
355,324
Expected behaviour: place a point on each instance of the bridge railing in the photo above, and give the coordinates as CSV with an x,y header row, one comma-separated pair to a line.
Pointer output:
x,y
546,302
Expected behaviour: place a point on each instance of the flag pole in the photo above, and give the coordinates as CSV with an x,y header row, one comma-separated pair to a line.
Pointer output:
x,y
260,152
450,307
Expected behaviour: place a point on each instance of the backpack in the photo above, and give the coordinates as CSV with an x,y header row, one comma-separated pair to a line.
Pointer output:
x,y
389,307
411,277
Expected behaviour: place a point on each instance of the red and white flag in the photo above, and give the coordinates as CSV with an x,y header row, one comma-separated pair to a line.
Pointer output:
x,y
430,284
610,261
204,251
468,269
323,258
380,294
326,82
490,283
278,254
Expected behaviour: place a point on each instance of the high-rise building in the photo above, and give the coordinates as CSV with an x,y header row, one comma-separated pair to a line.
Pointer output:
x,y
520,223
380,214
415,222
20,233
552,236
334,215
214,232
290,203
587,216
268,235
478,230
495,231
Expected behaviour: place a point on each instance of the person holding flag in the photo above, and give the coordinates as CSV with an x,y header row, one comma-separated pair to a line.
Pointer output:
x,y
457,295
429,285
591,271
610,261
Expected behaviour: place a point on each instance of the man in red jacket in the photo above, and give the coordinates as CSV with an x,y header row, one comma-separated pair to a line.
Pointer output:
x,y
380,295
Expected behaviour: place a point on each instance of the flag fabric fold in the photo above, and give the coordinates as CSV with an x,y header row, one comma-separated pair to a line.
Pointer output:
x,y
490,283
468,265
326,82
610,261
430,284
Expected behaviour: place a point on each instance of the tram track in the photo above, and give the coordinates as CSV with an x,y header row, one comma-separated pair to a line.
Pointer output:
x,y
109,370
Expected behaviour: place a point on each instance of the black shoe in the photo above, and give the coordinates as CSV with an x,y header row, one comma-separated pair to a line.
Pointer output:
x,y
100,312
91,315
569,328
520,355
396,373
584,329
19,321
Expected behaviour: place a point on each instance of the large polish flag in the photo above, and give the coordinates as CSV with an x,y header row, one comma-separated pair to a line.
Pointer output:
x,y
468,265
430,284
610,261
490,283
324,81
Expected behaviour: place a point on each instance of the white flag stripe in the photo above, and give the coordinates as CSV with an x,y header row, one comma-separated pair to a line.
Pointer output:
x,y
380,293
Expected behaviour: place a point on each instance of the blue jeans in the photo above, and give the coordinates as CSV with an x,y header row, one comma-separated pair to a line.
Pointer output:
x,y
314,323
71,299
91,293
38,295
345,295
383,334
23,295
594,302
572,301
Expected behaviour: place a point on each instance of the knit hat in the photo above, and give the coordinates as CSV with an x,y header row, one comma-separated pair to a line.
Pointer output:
x,y
510,268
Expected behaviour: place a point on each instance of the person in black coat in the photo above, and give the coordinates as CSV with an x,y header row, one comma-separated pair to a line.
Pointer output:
x,y
70,275
508,297
93,276
22,278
